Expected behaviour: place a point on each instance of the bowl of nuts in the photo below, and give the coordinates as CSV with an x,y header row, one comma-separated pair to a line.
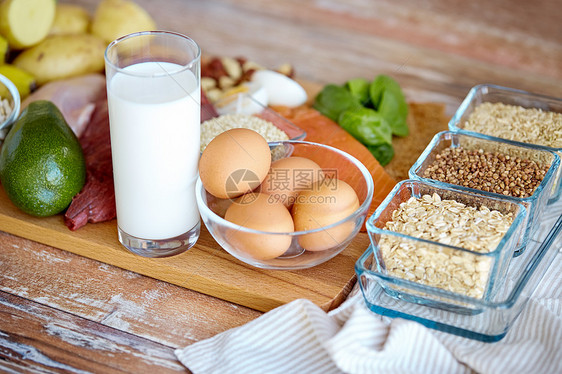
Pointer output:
x,y
524,173
444,246
503,113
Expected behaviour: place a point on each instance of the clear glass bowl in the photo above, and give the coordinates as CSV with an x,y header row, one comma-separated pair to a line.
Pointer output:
x,y
340,165
484,93
495,316
441,258
244,103
535,203
11,93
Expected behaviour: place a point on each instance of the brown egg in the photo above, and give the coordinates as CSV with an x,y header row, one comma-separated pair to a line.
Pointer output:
x,y
234,162
256,211
289,176
329,201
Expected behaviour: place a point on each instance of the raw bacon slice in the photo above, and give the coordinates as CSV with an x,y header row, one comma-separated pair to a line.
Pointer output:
x,y
96,201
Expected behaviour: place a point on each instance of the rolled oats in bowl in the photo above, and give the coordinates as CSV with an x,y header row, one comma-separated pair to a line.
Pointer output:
x,y
447,222
9,105
5,109
453,243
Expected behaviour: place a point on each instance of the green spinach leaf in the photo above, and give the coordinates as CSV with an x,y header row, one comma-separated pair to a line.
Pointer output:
x,y
394,109
383,83
382,152
366,125
333,100
359,88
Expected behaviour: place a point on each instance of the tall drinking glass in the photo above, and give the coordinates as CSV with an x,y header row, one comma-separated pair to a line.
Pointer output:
x,y
153,92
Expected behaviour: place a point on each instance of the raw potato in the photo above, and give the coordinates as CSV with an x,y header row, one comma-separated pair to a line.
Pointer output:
x,y
115,18
26,22
70,19
63,56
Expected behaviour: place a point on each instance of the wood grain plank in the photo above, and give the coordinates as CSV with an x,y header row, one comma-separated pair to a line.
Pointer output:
x,y
497,32
35,337
421,46
123,300
437,50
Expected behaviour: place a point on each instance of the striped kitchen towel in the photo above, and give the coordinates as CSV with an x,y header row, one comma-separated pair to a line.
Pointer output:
x,y
299,337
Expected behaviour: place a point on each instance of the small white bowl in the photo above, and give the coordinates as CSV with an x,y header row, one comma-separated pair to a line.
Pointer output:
x,y
15,102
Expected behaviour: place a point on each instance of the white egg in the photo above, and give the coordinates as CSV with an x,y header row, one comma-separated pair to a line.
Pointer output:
x,y
281,90
252,101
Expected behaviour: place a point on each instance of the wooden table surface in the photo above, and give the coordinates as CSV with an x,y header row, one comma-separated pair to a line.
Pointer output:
x,y
60,312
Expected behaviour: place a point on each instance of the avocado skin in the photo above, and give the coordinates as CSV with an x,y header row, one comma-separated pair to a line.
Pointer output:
x,y
42,166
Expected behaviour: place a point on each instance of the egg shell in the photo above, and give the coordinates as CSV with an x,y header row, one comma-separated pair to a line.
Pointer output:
x,y
281,90
235,162
289,176
256,211
329,201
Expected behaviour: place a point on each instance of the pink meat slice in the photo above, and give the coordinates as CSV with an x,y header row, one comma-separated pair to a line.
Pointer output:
x,y
75,97
96,201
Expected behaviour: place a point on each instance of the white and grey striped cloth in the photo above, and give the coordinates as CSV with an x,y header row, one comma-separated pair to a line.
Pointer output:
x,y
301,338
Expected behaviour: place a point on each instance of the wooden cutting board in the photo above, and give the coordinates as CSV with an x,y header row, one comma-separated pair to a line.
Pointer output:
x,y
206,267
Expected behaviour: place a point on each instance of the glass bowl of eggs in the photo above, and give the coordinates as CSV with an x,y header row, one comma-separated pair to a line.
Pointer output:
x,y
281,205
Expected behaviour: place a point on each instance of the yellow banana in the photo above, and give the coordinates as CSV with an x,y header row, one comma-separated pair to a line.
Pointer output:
x,y
24,81
3,50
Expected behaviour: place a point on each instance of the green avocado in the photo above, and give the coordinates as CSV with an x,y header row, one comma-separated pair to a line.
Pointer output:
x,y
42,166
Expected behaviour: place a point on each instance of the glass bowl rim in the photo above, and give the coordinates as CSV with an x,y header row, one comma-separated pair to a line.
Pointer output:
x,y
15,98
517,220
463,108
553,166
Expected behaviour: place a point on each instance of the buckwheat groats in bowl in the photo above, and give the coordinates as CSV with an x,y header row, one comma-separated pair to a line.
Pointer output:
x,y
521,172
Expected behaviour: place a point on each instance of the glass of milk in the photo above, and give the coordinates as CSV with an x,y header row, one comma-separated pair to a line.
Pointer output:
x,y
153,89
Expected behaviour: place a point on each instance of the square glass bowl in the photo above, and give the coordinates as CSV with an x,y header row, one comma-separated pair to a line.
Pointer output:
x,y
495,316
489,93
431,273
535,203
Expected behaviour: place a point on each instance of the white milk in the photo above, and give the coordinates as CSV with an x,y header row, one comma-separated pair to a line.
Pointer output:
x,y
155,135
